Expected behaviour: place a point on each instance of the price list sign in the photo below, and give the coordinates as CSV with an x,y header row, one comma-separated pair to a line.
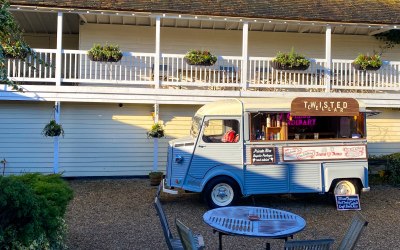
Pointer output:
x,y
264,155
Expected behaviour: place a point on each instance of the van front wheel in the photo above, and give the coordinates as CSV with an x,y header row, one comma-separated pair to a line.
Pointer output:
x,y
221,192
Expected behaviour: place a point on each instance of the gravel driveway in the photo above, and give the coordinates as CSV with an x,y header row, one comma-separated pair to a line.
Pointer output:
x,y
119,214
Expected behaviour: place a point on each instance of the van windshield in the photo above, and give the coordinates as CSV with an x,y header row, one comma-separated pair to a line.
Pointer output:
x,y
196,123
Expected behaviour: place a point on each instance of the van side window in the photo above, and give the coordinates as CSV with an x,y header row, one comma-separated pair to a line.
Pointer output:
x,y
221,131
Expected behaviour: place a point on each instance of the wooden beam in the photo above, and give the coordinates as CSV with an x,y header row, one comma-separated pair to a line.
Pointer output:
x,y
375,32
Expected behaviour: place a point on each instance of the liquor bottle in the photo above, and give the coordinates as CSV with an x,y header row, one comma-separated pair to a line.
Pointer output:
x,y
263,136
268,121
278,121
258,134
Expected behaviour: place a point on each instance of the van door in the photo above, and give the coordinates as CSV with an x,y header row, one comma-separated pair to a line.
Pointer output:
x,y
219,147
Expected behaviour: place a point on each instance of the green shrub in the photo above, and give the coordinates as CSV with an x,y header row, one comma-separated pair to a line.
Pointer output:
x,y
392,163
50,194
108,53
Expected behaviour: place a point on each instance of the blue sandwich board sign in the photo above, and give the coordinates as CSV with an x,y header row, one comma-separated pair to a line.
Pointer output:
x,y
348,202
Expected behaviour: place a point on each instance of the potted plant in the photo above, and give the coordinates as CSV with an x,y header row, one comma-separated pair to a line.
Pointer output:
x,y
107,53
366,62
53,129
155,177
156,131
290,61
200,57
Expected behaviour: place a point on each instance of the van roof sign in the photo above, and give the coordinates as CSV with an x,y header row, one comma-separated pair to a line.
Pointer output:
x,y
312,106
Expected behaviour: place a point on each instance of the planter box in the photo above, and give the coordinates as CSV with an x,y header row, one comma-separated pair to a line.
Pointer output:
x,y
358,67
280,66
198,64
103,59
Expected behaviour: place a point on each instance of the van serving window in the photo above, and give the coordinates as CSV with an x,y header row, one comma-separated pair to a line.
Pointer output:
x,y
221,131
266,126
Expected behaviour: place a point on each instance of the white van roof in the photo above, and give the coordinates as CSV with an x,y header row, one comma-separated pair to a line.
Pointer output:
x,y
236,106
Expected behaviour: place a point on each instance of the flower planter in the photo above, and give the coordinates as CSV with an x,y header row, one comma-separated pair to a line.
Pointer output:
x,y
198,64
155,178
280,66
103,59
358,67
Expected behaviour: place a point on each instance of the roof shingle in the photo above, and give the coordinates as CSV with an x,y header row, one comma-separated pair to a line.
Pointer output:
x,y
347,11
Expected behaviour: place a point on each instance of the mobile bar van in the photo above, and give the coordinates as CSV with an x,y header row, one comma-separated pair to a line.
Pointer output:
x,y
248,146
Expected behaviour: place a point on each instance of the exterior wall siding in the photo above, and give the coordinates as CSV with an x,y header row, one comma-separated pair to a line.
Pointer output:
x,y
383,132
228,42
21,143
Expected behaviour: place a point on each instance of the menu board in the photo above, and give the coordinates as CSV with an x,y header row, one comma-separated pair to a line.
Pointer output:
x,y
348,202
331,152
262,155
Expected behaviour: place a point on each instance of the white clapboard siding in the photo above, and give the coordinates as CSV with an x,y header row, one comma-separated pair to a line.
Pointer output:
x,y
177,120
228,42
383,131
21,143
105,139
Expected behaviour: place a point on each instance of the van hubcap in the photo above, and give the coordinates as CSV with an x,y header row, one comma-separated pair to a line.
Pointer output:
x,y
222,194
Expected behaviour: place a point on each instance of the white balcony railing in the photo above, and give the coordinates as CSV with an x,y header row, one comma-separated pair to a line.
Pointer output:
x,y
34,68
174,72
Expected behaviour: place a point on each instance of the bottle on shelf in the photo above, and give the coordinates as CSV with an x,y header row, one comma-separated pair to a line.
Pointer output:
x,y
258,134
268,121
278,121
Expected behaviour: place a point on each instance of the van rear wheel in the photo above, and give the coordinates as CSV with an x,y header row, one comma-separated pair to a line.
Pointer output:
x,y
221,192
346,187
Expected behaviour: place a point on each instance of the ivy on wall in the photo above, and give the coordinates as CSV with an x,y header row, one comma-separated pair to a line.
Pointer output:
x,y
389,39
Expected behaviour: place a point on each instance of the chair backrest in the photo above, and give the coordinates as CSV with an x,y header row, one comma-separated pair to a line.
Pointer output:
x,y
322,244
164,222
353,233
188,239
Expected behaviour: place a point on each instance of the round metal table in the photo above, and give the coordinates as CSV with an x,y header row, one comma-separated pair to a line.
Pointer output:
x,y
254,222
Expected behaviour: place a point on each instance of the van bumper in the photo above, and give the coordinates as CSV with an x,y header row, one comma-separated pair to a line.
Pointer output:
x,y
367,189
167,189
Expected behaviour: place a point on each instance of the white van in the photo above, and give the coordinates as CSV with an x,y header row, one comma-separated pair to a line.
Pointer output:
x,y
242,147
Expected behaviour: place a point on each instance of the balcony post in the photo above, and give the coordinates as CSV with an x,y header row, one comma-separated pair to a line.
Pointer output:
x,y
328,58
57,109
155,140
59,47
156,68
245,57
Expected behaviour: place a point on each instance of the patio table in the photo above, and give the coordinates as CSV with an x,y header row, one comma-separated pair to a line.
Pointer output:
x,y
254,222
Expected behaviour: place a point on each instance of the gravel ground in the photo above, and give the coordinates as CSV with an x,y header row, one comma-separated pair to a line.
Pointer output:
x,y
119,214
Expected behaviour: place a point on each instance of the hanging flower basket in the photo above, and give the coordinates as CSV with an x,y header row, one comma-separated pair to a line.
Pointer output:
x,y
280,66
365,62
290,61
200,58
107,53
156,131
53,129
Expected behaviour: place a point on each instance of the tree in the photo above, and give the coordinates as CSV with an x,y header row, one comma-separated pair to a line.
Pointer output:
x,y
11,39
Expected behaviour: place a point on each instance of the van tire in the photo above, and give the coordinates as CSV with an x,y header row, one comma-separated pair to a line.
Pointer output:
x,y
346,187
221,191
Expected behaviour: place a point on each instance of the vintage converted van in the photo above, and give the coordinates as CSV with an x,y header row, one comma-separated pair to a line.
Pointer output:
x,y
242,147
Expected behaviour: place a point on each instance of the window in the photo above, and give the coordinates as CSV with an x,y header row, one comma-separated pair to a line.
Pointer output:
x,y
221,131
282,126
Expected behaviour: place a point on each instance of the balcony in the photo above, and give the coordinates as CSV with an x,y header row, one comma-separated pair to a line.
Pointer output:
x,y
138,70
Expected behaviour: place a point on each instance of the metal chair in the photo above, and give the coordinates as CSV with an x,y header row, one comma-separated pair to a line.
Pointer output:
x,y
189,240
353,233
322,244
172,243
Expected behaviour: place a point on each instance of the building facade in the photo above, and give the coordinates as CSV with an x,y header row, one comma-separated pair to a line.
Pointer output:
x,y
107,107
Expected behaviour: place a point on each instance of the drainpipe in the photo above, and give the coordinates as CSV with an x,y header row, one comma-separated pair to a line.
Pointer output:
x,y
57,104
155,140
